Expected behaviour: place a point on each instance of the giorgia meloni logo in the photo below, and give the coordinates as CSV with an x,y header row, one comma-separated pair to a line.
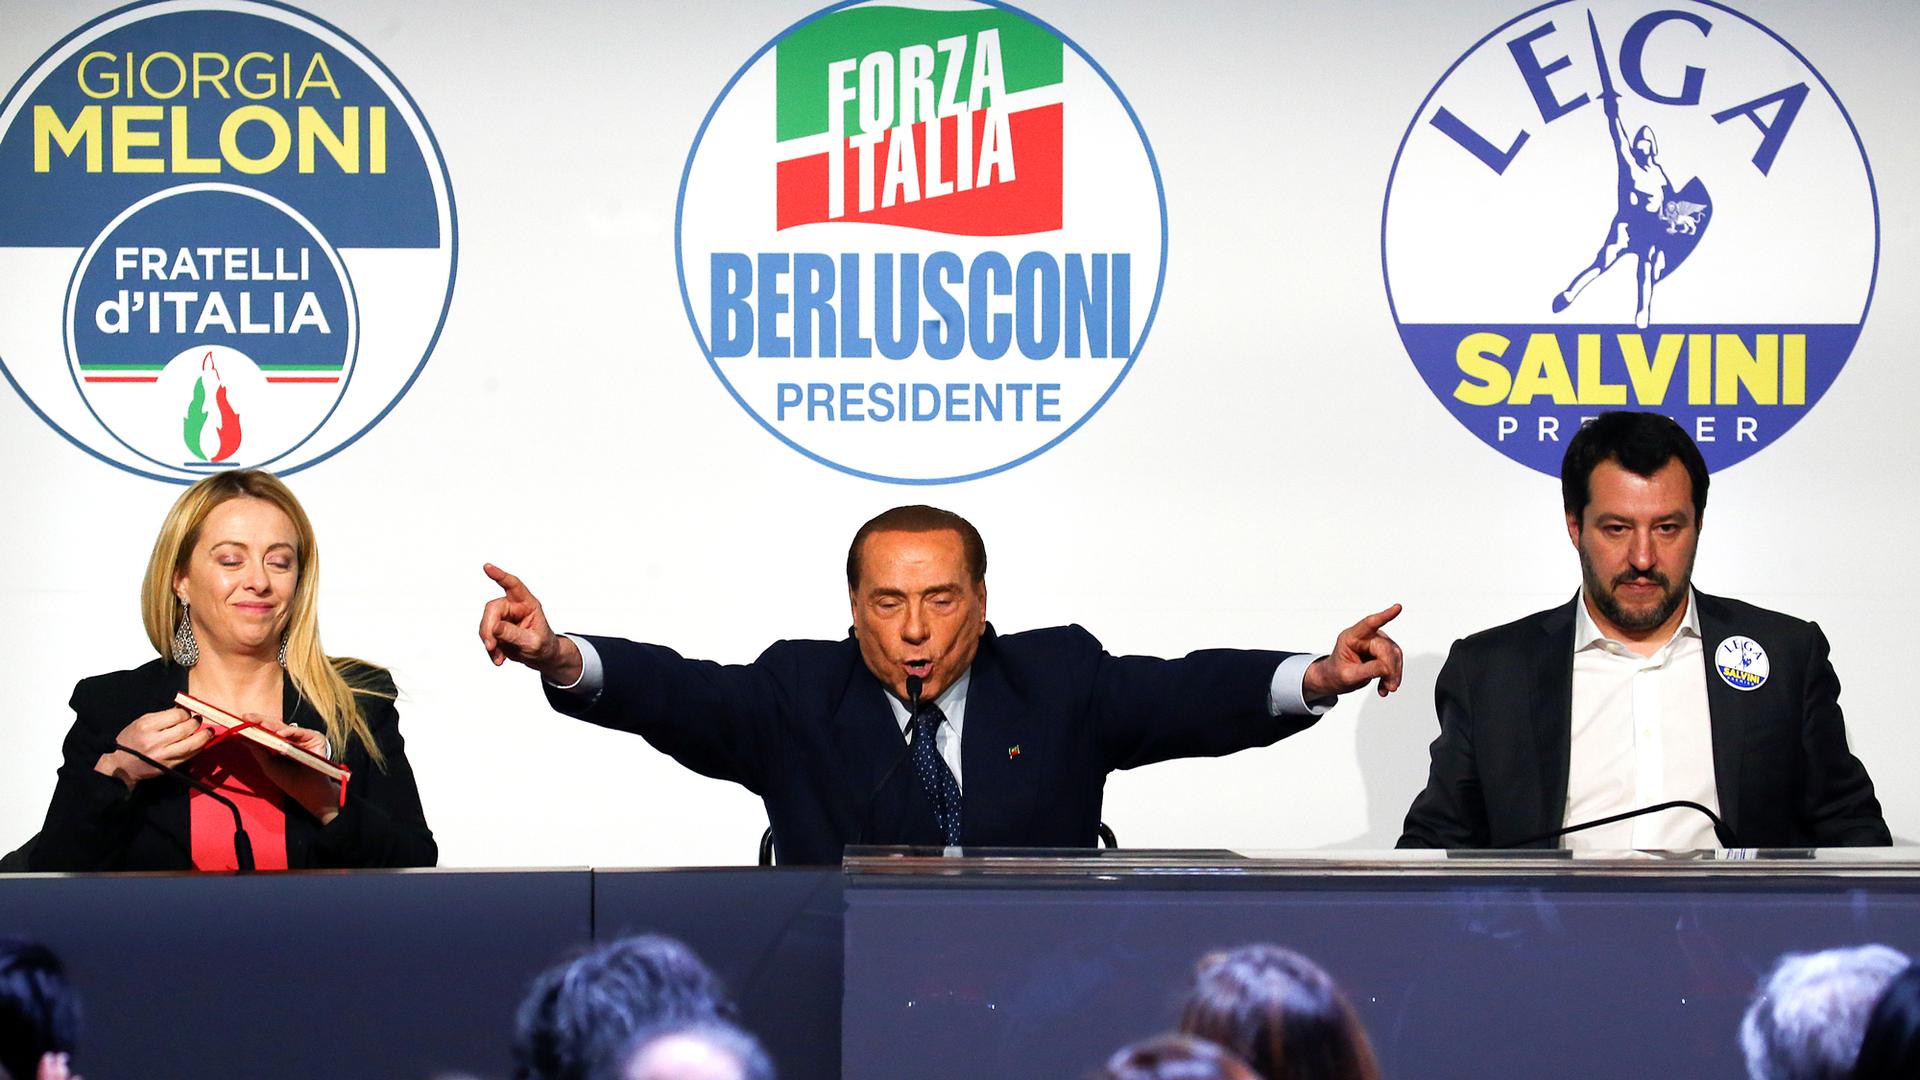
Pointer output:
x,y
1630,205
226,238
921,244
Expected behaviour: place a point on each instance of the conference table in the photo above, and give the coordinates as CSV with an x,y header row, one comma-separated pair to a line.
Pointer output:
x,y
911,963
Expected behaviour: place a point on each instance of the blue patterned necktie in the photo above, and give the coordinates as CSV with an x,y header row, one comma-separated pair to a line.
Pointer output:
x,y
935,778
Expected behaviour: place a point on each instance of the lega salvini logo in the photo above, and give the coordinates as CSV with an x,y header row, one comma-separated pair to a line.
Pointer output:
x,y
921,245
1630,205
226,238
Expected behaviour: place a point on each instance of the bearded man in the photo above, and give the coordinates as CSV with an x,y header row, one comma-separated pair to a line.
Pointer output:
x,y
1642,690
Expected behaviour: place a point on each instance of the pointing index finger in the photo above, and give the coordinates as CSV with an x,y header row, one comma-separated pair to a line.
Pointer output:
x,y
514,586
1379,619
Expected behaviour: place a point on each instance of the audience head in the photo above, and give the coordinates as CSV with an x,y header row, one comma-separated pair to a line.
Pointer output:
x,y
695,1050
39,1014
1891,1048
1176,1057
1807,1018
578,1016
1280,1013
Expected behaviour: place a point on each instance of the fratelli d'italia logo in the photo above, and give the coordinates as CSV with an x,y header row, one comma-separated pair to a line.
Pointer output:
x,y
1630,205
921,245
227,238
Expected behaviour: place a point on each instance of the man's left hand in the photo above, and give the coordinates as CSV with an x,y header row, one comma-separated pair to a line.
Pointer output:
x,y
1360,654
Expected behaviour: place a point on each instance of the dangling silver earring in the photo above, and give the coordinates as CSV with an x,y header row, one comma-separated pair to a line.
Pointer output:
x,y
284,634
186,651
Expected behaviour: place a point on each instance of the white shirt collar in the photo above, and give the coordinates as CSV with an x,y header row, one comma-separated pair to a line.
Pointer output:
x,y
952,702
1587,633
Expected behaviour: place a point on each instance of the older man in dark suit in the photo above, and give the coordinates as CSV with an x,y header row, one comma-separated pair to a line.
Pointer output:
x,y
924,726
1642,690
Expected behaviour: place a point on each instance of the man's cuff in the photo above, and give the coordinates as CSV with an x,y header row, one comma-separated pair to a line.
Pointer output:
x,y
1287,696
593,675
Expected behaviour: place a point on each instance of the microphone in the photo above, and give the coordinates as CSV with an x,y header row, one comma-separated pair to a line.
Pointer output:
x,y
1720,831
242,843
914,683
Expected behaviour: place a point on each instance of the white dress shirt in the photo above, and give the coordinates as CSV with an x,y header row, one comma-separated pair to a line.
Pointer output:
x,y
1640,736
1286,696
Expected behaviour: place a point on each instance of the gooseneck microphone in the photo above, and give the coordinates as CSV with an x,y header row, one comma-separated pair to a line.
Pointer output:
x,y
914,683
242,843
1720,830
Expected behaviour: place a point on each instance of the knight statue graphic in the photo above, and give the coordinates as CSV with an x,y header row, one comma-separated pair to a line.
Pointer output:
x,y
1655,224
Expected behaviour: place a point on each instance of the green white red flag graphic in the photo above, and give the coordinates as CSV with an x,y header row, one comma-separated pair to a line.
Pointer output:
x,y
211,427
947,121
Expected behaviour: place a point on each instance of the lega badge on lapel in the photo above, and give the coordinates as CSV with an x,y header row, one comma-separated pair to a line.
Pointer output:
x,y
1742,663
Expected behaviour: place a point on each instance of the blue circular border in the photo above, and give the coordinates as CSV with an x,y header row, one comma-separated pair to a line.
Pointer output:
x,y
453,239
1873,189
679,261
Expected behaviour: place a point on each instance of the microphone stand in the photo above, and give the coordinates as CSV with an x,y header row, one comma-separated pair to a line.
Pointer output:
x,y
1720,830
242,843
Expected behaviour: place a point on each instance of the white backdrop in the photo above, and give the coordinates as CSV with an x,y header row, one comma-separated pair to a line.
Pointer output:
x,y
1272,468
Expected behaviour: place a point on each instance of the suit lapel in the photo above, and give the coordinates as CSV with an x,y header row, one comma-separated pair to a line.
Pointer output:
x,y
295,710
1727,710
868,742
997,798
170,797
1552,686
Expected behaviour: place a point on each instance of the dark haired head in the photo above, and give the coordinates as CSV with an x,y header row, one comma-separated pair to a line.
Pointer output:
x,y
920,519
1891,1049
1641,443
694,1050
579,1015
1176,1057
39,1014
1279,1012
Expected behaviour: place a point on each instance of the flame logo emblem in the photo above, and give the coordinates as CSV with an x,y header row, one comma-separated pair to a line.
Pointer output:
x,y
211,436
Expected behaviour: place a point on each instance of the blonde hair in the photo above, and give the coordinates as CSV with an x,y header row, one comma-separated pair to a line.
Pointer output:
x,y
327,684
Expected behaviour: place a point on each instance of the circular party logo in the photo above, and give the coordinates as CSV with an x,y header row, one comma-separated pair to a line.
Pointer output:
x,y
227,238
1627,205
921,245
1742,663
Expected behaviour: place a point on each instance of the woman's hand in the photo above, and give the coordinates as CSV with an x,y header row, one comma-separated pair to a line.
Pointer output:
x,y
169,736
317,794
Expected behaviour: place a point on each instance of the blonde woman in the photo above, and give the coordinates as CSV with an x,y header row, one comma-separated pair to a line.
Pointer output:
x,y
230,602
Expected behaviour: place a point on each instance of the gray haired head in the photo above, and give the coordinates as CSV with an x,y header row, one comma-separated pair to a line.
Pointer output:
x,y
1808,1017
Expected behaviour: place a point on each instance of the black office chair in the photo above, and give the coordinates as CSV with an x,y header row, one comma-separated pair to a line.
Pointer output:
x,y
1107,839
15,861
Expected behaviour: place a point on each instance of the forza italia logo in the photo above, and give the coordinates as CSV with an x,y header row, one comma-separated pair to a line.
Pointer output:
x,y
1630,205
921,245
227,238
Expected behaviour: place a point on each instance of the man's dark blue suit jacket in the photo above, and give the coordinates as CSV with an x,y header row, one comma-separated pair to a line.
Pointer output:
x,y
1049,713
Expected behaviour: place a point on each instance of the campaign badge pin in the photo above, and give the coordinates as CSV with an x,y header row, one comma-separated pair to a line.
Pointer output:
x,y
1742,663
